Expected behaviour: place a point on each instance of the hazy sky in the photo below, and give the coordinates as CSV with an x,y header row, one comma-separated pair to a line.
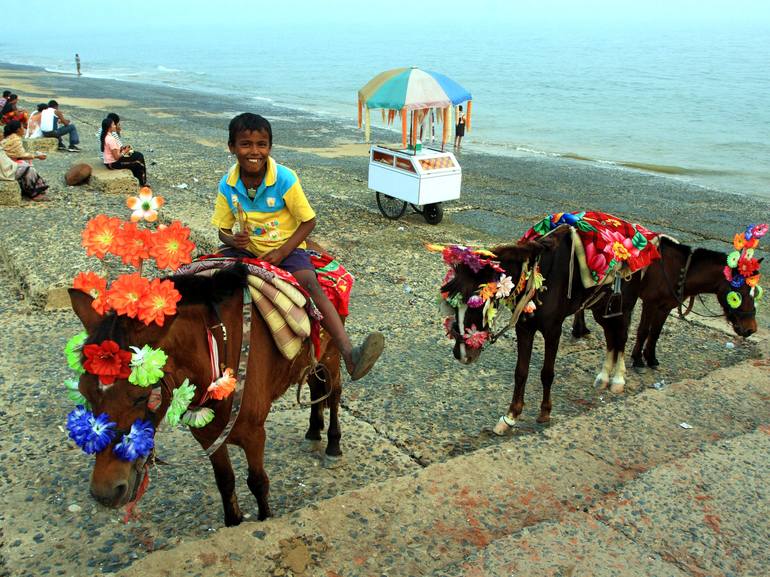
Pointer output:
x,y
175,14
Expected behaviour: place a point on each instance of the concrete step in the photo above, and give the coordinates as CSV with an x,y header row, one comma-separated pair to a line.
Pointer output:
x,y
41,144
434,520
119,182
10,193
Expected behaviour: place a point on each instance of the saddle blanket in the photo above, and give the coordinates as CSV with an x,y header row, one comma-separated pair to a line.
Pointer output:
x,y
608,244
285,306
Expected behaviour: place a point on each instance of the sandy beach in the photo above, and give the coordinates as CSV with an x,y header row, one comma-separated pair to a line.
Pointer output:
x,y
418,407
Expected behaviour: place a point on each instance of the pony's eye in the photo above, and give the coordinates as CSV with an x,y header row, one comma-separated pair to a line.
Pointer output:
x,y
141,400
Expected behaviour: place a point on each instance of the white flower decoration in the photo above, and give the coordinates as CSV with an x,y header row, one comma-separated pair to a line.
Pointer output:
x,y
504,286
145,206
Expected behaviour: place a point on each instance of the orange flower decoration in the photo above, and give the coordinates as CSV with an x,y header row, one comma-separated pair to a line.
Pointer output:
x,y
739,241
90,283
488,291
753,281
159,300
171,246
132,244
99,235
107,361
223,386
126,292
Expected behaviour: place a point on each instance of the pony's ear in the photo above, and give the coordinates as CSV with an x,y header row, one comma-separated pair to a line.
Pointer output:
x,y
81,304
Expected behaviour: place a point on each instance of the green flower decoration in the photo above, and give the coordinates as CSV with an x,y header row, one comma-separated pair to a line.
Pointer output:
x,y
455,300
181,399
198,418
543,227
146,366
585,226
759,292
734,299
733,258
639,241
73,393
73,351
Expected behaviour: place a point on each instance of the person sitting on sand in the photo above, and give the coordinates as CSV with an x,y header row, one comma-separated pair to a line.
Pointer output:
x,y
33,126
11,111
279,218
4,98
32,184
117,156
55,125
115,134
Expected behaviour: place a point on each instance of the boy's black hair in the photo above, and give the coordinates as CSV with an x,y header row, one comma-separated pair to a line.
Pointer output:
x,y
11,127
42,106
248,122
53,104
114,117
6,93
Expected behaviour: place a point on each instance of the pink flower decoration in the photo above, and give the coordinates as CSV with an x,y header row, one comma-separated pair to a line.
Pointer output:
x,y
475,302
759,230
728,272
475,339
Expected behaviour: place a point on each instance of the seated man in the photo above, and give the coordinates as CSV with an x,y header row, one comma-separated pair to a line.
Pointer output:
x,y
53,124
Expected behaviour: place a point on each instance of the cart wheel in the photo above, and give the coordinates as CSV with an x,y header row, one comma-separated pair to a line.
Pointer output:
x,y
433,213
390,207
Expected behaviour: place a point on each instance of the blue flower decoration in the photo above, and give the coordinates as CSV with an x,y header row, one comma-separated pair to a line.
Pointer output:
x,y
737,281
92,434
137,443
749,231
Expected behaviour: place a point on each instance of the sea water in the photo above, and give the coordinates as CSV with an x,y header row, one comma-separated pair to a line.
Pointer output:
x,y
690,102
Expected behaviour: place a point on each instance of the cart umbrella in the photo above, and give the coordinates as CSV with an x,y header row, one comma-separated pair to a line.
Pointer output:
x,y
410,89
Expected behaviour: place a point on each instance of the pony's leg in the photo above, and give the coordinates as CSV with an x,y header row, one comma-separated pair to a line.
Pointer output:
x,y
642,334
525,335
546,374
313,433
657,321
579,327
333,457
602,379
223,473
257,480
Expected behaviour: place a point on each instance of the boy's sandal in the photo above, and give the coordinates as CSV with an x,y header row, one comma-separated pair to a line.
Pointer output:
x,y
366,354
40,198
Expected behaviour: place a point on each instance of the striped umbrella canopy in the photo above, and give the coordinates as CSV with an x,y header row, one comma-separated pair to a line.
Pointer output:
x,y
409,90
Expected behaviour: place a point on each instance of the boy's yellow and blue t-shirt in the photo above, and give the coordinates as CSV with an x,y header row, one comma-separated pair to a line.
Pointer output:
x,y
276,211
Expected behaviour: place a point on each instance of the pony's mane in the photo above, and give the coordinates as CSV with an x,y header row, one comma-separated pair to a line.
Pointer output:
x,y
698,254
195,289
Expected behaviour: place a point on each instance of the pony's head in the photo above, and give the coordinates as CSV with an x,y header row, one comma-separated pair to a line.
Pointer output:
x,y
124,410
480,281
739,290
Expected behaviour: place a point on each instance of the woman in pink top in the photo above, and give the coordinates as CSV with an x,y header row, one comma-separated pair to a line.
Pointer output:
x,y
117,156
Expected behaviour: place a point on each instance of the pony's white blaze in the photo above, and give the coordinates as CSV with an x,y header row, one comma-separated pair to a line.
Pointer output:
x,y
461,310
618,381
603,378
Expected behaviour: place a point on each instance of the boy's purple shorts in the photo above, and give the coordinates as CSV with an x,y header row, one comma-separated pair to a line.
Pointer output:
x,y
298,259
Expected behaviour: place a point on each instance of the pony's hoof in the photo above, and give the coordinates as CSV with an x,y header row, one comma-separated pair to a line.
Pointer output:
x,y
616,388
640,369
600,383
503,425
332,462
312,445
544,419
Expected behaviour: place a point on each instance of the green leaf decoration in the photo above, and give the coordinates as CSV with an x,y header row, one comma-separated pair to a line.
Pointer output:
x,y
180,400
73,351
543,227
146,366
197,418
639,241
585,226
73,393
455,300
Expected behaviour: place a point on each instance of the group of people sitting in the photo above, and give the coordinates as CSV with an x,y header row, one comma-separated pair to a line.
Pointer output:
x,y
49,122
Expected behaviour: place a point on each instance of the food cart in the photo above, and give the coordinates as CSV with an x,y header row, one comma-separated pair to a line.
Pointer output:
x,y
423,179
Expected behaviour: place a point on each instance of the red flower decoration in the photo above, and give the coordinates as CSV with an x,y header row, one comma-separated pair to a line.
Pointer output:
x,y
748,266
159,300
90,283
171,246
107,361
99,235
132,244
126,292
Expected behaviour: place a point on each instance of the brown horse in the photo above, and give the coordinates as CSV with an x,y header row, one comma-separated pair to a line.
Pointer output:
x,y
552,255
212,302
681,273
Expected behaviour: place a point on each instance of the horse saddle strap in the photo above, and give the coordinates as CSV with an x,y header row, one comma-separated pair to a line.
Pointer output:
x,y
234,411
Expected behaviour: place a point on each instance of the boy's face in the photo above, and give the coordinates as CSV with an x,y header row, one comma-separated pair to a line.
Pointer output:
x,y
251,148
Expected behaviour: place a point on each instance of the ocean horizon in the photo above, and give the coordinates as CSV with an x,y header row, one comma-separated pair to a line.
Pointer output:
x,y
687,102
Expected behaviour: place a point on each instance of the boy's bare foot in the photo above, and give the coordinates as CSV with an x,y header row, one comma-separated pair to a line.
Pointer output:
x,y
365,355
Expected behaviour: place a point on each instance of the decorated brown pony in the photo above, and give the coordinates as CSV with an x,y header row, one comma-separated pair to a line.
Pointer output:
x,y
168,350
682,273
537,281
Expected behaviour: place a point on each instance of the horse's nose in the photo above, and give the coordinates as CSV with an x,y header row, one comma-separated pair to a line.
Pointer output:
x,y
110,496
746,330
